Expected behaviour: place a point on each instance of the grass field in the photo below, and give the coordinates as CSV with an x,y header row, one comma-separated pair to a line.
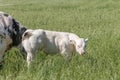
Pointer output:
x,y
98,20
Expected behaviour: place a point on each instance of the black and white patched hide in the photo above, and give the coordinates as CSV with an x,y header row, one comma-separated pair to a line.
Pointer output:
x,y
12,28
11,31
17,31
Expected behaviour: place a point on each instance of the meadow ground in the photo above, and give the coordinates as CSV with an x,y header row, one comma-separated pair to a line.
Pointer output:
x,y
98,20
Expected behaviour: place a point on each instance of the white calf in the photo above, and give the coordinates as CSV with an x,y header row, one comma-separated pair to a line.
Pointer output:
x,y
52,42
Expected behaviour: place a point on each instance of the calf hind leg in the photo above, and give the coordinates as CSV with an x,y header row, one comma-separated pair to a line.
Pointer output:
x,y
30,57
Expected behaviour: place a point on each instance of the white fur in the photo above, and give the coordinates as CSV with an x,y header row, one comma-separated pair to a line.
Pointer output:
x,y
52,42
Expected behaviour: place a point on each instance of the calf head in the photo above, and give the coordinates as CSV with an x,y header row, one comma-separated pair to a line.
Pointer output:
x,y
79,45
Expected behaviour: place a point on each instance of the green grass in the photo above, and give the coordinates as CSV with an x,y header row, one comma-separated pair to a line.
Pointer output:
x,y
98,20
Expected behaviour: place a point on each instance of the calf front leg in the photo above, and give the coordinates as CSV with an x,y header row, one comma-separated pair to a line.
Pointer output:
x,y
64,49
66,53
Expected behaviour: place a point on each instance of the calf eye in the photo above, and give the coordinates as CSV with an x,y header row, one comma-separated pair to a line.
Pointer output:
x,y
79,46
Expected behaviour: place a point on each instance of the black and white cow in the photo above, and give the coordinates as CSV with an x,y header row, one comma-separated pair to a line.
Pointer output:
x,y
10,33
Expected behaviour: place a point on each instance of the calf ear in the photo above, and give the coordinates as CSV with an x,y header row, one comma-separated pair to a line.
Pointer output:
x,y
86,40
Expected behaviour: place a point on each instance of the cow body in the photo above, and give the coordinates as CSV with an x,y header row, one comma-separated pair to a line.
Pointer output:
x,y
11,32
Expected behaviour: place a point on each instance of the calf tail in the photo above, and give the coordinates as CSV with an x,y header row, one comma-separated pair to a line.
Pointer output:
x,y
26,35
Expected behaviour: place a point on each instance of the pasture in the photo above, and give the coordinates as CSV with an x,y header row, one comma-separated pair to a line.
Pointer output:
x,y
97,20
